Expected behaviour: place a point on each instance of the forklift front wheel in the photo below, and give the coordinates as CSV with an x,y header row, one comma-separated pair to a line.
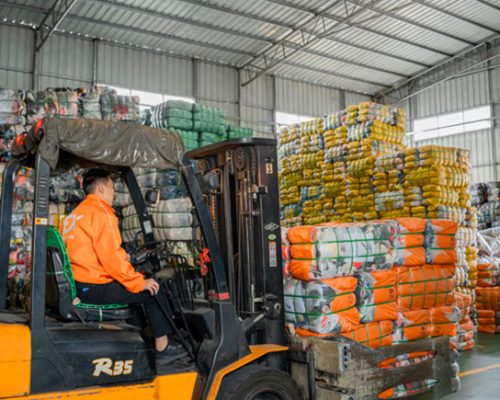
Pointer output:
x,y
254,382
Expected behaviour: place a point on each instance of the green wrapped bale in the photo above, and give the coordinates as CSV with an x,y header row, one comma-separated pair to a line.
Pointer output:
x,y
237,132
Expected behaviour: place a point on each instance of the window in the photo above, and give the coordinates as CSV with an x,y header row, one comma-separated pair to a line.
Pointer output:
x,y
285,119
469,120
148,99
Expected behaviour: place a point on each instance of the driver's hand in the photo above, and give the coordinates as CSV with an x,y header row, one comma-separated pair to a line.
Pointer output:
x,y
151,286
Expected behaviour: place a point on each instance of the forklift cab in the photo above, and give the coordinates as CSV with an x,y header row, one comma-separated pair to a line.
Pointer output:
x,y
84,345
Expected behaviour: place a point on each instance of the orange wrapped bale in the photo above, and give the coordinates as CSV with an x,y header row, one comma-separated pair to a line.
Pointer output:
x,y
486,328
486,321
332,250
444,320
440,241
345,321
376,296
425,287
409,242
372,334
488,298
463,302
486,313
412,325
326,306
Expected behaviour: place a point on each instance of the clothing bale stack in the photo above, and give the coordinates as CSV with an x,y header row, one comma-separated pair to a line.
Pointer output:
x,y
238,132
176,116
210,124
487,199
173,219
290,175
11,107
488,287
403,271
61,103
115,107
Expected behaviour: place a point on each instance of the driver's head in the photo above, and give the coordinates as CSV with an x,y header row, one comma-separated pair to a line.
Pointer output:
x,y
98,181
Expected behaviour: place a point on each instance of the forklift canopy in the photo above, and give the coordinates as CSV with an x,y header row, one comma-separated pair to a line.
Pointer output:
x,y
69,142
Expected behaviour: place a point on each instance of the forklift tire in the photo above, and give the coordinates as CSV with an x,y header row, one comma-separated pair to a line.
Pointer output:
x,y
254,382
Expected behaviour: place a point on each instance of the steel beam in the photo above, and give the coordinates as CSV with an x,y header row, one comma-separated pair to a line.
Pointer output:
x,y
439,64
494,107
487,3
95,55
359,25
278,54
53,18
208,26
455,15
332,73
230,11
477,64
409,21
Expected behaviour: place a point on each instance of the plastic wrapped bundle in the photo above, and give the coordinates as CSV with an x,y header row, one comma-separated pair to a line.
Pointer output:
x,y
488,298
322,307
372,334
440,241
172,220
11,107
208,138
411,325
320,252
116,107
191,139
7,135
40,104
409,242
488,274
237,132
487,321
208,119
490,213
91,105
376,296
444,320
425,287
68,103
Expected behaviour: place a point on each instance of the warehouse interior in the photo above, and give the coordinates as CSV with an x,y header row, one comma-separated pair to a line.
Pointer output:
x,y
271,64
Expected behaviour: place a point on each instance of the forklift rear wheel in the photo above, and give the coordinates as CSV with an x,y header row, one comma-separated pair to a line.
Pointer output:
x,y
258,383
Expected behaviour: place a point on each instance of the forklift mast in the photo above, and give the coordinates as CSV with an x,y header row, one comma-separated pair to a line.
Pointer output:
x,y
240,185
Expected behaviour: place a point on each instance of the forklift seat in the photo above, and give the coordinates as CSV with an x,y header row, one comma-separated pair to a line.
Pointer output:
x,y
61,288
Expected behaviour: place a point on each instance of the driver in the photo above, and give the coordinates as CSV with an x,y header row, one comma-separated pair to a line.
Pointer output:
x,y
101,267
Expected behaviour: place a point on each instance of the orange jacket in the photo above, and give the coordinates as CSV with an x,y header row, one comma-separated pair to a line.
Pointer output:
x,y
93,242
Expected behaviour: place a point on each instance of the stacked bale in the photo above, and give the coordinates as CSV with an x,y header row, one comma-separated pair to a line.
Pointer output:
x,y
238,132
176,116
173,217
340,277
115,107
488,286
210,124
489,204
63,103
425,285
290,174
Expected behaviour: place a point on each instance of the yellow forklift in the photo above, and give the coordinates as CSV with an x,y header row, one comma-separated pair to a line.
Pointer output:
x,y
233,333
229,314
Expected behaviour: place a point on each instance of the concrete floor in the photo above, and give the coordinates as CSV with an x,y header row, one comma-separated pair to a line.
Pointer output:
x,y
480,370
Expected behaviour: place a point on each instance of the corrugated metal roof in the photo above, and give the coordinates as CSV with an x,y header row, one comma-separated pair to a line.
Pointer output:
x,y
370,44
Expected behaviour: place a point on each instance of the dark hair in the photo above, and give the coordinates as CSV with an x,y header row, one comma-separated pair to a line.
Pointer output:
x,y
93,175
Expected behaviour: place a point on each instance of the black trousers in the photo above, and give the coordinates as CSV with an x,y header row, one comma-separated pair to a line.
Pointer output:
x,y
115,293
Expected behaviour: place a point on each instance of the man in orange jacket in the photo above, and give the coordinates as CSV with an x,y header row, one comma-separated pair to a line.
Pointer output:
x,y
101,267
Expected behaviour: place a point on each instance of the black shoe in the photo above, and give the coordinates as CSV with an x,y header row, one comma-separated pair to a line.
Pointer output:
x,y
173,352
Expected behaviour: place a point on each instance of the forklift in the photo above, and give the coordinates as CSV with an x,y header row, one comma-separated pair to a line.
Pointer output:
x,y
234,333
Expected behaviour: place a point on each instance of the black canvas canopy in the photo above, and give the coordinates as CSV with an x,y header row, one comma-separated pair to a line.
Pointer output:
x,y
70,142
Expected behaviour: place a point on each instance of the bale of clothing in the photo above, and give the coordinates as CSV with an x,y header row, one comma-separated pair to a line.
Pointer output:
x,y
377,282
173,217
488,281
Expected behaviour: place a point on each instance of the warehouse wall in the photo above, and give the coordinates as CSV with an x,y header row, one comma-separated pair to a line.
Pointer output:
x,y
73,62
468,89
